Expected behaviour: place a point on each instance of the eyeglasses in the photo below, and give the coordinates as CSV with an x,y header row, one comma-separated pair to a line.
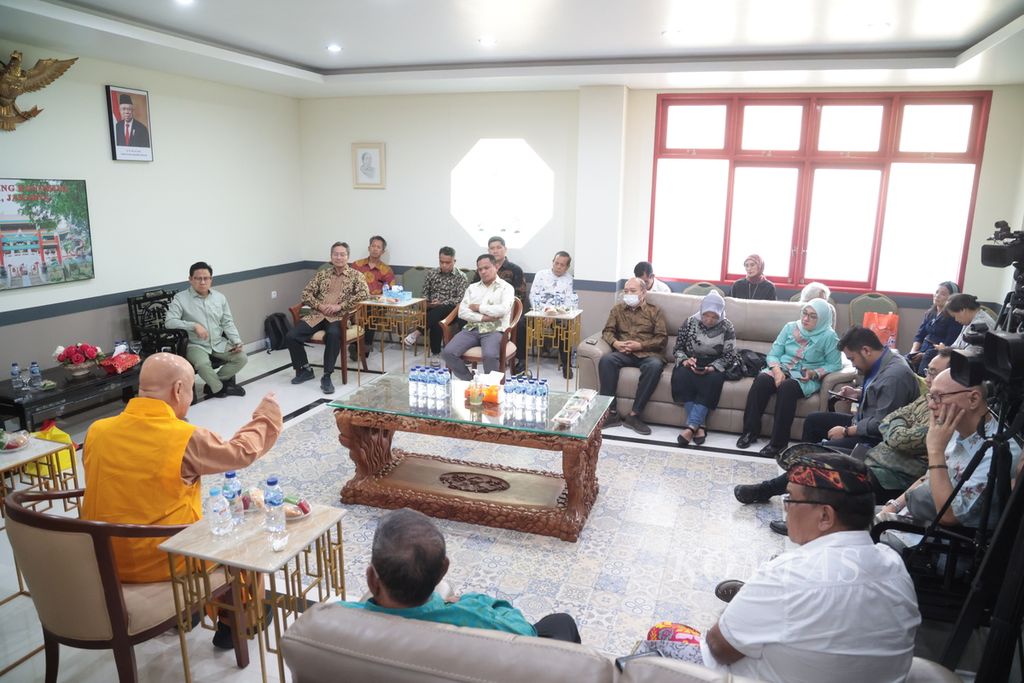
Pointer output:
x,y
788,500
935,397
810,315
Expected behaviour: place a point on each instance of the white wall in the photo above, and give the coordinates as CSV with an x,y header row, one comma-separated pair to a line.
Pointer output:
x,y
1000,187
223,186
426,136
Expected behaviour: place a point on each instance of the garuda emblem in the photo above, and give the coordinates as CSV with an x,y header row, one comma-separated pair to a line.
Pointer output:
x,y
15,82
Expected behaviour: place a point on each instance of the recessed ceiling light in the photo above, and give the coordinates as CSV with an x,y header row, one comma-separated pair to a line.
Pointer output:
x,y
487,41
185,2
334,47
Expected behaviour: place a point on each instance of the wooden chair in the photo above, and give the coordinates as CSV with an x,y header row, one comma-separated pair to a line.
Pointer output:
x,y
351,333
146,314
68,565
702,289
871,302
475,356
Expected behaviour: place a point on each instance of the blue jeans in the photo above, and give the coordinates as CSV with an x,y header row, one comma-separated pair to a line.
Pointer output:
x,y
696,414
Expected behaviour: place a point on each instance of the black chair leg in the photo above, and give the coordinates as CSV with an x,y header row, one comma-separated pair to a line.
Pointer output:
x,y
124,658
52,651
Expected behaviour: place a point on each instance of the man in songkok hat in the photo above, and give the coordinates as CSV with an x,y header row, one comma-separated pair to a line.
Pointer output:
x,y
837,607
129,131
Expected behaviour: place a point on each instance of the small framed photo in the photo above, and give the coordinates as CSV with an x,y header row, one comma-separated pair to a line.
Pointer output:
x,y
368,165
130,134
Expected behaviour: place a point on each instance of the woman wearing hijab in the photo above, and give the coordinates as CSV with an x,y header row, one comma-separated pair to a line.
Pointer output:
x,y
754,285
804,352
938,329
705,349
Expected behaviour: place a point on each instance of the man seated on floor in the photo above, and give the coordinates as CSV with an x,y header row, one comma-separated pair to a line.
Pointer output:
x,y
143,466
553,288
839,608
204,313
407,563
957,413
645,271
487,309
637,333
443,289
331,296
378,275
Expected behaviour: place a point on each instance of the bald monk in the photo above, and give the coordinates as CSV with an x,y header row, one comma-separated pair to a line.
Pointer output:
x,y
143,466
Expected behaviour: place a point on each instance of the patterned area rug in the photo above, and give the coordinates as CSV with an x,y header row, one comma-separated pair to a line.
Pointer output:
x,y
664,530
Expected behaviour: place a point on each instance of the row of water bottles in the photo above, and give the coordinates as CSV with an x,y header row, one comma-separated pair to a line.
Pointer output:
x,y
529,394
35,377
429,387
225,509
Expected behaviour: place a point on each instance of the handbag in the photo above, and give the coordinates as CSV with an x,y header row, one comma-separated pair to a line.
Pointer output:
x,y
884,325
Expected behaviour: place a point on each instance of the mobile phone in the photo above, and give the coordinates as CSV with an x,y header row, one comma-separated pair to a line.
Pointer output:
x,y
620,662
591,341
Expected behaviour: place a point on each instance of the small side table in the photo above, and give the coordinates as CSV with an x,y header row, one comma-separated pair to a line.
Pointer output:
x,y
313,560
399,317
563,329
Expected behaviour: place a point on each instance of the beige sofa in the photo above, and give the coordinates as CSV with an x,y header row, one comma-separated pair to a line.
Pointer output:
x,y
333,644
757,324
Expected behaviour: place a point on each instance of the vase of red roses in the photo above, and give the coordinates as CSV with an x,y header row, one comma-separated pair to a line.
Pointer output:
x,y
78,359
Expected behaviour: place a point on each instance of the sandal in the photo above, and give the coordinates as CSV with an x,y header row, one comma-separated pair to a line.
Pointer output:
x,y
682,440
699,440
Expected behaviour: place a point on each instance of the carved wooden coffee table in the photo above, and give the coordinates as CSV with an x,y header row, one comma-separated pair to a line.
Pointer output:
x,y
538,502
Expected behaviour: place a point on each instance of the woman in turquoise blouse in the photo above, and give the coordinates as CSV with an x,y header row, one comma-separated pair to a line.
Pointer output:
x,y
804,352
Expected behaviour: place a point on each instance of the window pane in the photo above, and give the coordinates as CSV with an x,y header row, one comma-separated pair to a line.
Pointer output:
x,y
925,222
850,128
772,127
935,127
763,206
689,218
843,208
696,127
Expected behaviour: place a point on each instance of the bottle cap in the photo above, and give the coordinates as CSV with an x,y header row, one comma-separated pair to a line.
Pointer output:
x,y
230,474
271,481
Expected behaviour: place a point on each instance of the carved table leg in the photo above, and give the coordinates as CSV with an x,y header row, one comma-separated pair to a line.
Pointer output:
x,y
369,447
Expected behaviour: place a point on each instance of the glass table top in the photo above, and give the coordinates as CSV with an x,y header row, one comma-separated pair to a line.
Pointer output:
x,y
389,394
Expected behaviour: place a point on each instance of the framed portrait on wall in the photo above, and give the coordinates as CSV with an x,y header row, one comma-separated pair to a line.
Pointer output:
x,y
368,165
131,137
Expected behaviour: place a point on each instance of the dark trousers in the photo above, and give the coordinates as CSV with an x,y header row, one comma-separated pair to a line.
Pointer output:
x,y
816,428
650,372
559,626
521,342
301,333
786,396
434,317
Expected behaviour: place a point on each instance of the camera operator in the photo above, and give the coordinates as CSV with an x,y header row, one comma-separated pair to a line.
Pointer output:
x,y
952,441
965,309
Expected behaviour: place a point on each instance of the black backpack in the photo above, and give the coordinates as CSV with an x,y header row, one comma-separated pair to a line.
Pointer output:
x,y
752,362
276,327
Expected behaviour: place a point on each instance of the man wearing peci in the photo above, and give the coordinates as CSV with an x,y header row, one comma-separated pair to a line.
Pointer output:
x,y
129,132
512,274
486,307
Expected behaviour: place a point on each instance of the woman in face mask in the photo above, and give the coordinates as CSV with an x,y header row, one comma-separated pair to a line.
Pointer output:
x,y
804,352
705,349
754,285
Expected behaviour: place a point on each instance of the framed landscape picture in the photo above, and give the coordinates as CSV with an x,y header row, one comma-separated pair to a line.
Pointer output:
x,y
44,233
131,138
368,165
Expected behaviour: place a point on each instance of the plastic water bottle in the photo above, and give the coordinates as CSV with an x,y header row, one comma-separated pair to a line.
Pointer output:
x,y
15,376
543,394
531,395
413,375
217,513
233,487
444,384
273,497
35,375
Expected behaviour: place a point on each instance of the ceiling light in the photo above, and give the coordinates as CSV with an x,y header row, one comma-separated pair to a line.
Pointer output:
x,y
334,47
185,2
487,41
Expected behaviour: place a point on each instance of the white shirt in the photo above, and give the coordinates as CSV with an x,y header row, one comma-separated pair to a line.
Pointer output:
x,y
980,317
549,289
494,300
839,609
659,287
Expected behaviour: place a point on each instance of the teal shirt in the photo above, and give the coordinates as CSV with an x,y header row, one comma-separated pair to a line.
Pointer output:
x,y
474,610
212,312
820,353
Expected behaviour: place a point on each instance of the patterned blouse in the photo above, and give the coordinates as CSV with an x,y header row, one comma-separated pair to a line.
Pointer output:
x,y
447,288
346,289
706,343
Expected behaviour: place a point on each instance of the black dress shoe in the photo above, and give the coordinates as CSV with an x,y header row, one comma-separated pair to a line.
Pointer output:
x,y
754,493
746,440
303,375
726,590
233,389
779,526
682,440
771,451
210,393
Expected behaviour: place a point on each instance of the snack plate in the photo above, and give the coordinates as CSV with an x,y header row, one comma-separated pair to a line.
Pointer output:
x,y
295,519
16,449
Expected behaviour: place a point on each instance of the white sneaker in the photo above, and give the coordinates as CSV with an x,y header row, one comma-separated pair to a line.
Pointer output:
x,y
412,338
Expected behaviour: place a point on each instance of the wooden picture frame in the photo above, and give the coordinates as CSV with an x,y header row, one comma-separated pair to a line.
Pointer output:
x,y
368,165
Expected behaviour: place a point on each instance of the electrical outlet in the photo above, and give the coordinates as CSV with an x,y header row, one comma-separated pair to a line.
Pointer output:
x,y
273,294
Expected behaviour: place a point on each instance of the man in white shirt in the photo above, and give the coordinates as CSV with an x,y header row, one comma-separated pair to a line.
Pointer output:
x,y
839,608
645,272
487,308
552,289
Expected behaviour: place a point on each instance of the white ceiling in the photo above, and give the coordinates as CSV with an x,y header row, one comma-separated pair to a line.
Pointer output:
x,y
405,46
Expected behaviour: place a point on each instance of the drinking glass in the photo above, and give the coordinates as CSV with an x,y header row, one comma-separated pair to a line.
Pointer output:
x,y
135,346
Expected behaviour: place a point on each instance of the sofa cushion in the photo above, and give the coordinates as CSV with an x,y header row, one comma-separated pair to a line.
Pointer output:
x,y
333,643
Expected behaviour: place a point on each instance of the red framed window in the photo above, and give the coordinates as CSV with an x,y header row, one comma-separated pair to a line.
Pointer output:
x,y
844,188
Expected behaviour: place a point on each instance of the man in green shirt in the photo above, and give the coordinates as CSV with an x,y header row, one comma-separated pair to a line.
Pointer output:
x,y
206,316
409,559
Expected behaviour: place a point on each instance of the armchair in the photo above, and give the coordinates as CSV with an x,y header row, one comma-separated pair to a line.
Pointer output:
x,y
474,356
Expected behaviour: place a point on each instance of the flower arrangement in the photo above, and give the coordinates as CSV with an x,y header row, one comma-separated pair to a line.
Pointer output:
x,y
76,354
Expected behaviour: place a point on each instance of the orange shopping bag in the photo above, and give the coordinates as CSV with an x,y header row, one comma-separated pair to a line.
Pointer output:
x,y
884,325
